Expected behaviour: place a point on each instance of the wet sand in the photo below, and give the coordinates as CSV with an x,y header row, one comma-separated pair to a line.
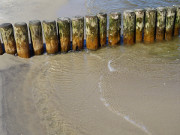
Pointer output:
x,y
121,90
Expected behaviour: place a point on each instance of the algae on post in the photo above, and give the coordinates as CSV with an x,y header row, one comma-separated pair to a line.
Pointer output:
x,y
139,24
92,42
22,41
102,20
64,33
36,36
128,27
114,28
77,33
50,34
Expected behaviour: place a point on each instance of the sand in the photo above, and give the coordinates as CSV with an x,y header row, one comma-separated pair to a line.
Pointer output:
x,y
112,91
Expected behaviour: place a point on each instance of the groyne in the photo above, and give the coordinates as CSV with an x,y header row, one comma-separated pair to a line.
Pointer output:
x,y
147,25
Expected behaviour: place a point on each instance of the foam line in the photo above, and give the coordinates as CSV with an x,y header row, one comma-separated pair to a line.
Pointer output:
x,y
111,69
126,117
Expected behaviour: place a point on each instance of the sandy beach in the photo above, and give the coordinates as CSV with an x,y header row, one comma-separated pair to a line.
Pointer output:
x,y
112,91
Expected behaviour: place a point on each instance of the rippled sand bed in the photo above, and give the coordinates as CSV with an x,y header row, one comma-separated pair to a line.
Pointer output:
x,y
122,90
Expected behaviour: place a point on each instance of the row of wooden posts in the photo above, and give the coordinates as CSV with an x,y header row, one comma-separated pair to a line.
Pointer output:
x,y
139,25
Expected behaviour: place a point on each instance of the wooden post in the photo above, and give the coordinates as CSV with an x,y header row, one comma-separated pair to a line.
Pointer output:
x,y
102,23
170,19
129,27
161,23
177,21
50,35
77,33
7,34
150,23
1,49
92,42
64,33
139,24
22,41
114,36
36,36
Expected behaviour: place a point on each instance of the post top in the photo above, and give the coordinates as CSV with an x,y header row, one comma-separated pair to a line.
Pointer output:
x,y
6,25
176,6
34,22
128,12
77,18
49,21
139,10
101,14
20,24
91,16
170,8
161,8
63,19
115,13
150,9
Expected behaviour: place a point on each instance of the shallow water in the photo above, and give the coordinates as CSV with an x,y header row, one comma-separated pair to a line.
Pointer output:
x,y
120,90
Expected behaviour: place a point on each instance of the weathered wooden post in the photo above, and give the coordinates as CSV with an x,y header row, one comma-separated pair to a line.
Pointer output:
x,y
1,50
7,34
64,33
92,42
150,23
50,35
161,23
139,24
77,33
129,27
170,19
36,36
114,36
22,41
102,23
177,21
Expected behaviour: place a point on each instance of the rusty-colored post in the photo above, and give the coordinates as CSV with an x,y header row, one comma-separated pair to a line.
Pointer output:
x,y
64,33
177,21
170,19
22,41
92,42
77,33
50,35
36,36
139,24
129,27
150,23
102,23
114,36
161,23
7,34
1,50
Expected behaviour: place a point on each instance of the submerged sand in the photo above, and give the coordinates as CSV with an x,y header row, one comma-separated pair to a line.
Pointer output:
x,y
113,91
122,90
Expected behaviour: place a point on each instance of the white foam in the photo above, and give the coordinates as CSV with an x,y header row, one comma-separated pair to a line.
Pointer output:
x,y
140,126
126,117
111,69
